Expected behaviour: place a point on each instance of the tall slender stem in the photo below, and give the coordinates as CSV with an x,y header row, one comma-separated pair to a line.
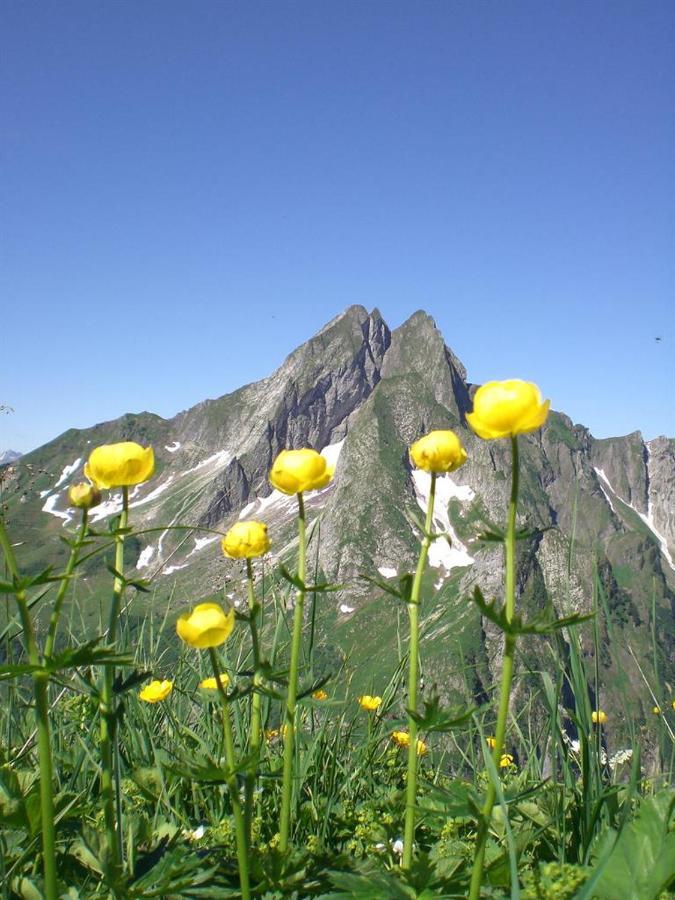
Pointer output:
x,y
413,679
41,692
109,783
507,674
256,702
230,759
63,587
289,727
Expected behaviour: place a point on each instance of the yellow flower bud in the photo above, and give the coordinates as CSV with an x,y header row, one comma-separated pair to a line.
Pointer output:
x,y
246,540
598,717
505,761
156,691
506,408
295,471
319,695
119,465
402,739
210,684
369,703
491,742
656,710
206,626
84,495
438,451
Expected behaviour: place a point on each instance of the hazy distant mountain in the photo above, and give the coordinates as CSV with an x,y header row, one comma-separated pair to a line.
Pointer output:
x,y
8,456
362,394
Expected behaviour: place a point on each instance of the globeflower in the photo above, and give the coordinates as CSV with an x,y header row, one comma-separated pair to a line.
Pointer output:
x,y
295,471
210,684
84,495
491,742
402,739
505,761
598,717
246,540
369,703
438,451
120,465
156,691
319,695
656,710
206,626
507,408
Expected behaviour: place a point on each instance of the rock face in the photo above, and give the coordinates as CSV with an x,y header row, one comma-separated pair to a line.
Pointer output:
x,y
601,512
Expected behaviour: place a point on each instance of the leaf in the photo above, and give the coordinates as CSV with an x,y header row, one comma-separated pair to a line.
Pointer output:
x,y
16,671
89,654
295,580
641,865
402,592
437,719
543,622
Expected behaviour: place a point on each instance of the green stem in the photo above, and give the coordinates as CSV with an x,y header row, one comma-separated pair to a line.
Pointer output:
x,y
230,759
507,674
256,702
413,680
289,730
41,692
109,781
63,587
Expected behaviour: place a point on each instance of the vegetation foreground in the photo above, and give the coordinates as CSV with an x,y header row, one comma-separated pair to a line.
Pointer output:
x,y
136,765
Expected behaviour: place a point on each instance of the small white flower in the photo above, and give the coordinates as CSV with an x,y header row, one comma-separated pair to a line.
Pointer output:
x,y
380,847
575,746
197,834
397,847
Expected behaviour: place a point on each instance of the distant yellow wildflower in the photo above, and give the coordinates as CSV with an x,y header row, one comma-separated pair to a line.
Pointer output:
x,y
369,703
156,691
656,710
319,695
491,742
505,761
210,684
402,739
598,717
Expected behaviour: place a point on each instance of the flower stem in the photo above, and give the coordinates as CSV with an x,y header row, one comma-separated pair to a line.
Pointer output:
x,y
239,824
507,673
413,679
109,780
63,587
256,702
41,692
289,730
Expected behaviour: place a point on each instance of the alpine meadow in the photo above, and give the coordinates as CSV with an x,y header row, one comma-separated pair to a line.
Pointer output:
x,y
361,629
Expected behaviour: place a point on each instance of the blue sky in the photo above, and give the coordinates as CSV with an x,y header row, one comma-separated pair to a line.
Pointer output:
x,y
192,190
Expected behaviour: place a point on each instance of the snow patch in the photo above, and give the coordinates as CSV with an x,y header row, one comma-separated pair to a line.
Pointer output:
x,y
49,508
68,471
169,569
111,507
442,555
331,453
647,519
200,543
145,557
346,609
387,571
45,493
216,461
173,447
262,505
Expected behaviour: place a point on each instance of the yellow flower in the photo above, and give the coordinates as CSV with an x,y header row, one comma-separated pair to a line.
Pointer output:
x,y
206,626
271,734
246,540
156,691
598,717
656,710
438,451
506,408
295,471
210,684
118,465
505,761
491,742
84,495
402,739
672,703
370,703
320,695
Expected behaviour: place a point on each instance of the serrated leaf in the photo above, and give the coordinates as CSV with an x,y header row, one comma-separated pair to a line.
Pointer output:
x,y
437,719
89,654
402,592
543,623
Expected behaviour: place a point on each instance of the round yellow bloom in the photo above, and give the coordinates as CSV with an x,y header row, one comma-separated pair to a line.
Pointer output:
x,y
119,465
402,739
156,691
320,695
438,451
598,717
656,710
370,703
506,408
210,684
491,742
505,761
206,626
672,703
84,495
246,540
295,471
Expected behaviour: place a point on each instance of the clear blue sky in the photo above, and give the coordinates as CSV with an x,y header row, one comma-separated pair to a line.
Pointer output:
x,y
190,190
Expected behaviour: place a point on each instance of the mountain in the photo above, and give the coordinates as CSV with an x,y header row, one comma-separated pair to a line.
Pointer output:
x,y
600,512
9,456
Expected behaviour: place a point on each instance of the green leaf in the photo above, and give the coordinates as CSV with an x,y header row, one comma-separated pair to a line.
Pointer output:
x,y
295,580
16,671
402,592
437,719
543,622
89,654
